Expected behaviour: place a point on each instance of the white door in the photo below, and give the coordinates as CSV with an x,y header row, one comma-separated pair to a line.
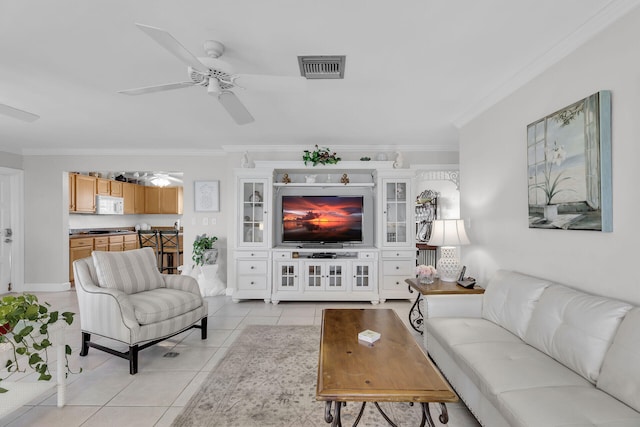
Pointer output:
x,y
5,233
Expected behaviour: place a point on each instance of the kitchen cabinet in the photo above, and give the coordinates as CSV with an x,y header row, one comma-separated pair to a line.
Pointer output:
x,y
129,195
115,188
139,191
101,243
130,242
171,200
72,192
78,249
116,243
152,200
163,200
82,247
85,193
103,187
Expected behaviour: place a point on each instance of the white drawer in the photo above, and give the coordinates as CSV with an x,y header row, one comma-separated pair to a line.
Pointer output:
x,y
252,254
402,253
281,255
252,282
399,268
252,267
395,283
367,255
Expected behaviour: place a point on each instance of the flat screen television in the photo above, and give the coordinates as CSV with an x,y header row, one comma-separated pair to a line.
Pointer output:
x,y
322,219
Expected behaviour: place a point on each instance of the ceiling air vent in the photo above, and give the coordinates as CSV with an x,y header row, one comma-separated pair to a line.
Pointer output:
x,y
322,67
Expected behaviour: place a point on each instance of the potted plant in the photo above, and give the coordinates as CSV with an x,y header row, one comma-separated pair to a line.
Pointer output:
x,y
25,323
203,250
322,156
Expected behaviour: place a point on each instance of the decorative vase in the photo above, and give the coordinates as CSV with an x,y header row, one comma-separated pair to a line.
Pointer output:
x,y
210,256
550,212
426,279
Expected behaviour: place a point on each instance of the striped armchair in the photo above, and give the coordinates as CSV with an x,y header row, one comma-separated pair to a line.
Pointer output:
x,y
122,296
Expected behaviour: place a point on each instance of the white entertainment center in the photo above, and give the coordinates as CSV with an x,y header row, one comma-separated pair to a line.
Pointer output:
x,y
269,267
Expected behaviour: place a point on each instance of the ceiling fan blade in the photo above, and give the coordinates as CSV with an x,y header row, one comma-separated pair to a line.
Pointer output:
x,y
257,82
234,107
167,41
158,88
18,114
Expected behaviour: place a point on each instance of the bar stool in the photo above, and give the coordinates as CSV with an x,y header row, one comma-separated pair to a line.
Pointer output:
x,y
149,239
170,251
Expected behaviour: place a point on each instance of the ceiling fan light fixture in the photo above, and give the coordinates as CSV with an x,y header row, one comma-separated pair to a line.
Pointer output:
x,y
213,87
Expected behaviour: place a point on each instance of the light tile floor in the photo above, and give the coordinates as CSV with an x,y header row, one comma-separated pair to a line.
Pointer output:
x,y
104,394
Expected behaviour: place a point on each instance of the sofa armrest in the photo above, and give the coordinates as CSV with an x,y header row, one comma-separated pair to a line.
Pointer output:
x,y
103,311
102,301
453,305
181,282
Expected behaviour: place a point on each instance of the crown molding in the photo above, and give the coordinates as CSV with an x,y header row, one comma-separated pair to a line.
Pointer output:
x,y
335,147
593,26
121,152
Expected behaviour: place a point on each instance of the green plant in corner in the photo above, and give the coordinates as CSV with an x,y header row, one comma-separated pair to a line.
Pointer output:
x,y
25,326
200,246
323,156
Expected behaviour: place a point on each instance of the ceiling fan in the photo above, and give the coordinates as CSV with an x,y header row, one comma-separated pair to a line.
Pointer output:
x,y
213,73
18,114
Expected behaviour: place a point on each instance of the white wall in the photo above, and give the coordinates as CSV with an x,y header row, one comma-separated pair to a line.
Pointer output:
x,y
494,176
10,160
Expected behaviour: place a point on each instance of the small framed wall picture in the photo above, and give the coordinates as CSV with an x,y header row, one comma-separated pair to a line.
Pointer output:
x,y
207,196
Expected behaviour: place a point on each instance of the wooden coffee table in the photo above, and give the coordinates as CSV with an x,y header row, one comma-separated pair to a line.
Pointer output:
x,y
392,369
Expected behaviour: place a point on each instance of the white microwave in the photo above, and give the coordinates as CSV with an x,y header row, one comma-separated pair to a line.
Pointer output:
x,y
109,205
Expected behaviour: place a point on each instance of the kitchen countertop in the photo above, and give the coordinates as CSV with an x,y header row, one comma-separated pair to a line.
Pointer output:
x,y
95,232
99,232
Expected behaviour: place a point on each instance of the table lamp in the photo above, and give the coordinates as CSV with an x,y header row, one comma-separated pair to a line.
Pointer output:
x,y
448,234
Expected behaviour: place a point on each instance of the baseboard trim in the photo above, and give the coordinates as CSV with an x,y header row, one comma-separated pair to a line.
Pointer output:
x,y
47,287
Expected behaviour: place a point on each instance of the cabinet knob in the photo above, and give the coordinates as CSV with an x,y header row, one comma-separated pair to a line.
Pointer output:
x,y
397,267
251,283
252,267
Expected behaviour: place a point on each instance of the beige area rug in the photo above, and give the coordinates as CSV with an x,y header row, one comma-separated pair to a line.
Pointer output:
x,y
268,378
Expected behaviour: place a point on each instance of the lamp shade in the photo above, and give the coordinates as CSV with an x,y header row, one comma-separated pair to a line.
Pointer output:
x,y
448,232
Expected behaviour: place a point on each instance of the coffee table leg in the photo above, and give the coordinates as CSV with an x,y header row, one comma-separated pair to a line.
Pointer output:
x,y
426,415
444,416
333,419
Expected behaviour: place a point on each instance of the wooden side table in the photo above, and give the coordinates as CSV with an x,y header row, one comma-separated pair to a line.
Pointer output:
x,y
416,317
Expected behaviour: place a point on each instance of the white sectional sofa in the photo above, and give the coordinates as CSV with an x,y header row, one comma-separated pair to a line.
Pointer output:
x,y
530,352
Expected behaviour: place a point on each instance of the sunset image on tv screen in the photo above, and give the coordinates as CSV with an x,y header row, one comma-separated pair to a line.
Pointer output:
x,y
322,218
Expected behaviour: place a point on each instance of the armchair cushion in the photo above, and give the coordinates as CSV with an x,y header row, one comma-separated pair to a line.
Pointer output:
x,y
130,271
162,304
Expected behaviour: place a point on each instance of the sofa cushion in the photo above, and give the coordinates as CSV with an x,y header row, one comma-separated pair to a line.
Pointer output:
x,y
620,374
565,406
575,328
162,304
130,271
510,298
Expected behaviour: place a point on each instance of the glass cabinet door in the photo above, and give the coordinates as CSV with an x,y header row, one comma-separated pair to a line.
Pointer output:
x,y
253,211
396,219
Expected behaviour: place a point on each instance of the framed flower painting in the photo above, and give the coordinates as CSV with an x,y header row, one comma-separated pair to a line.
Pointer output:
x,y
569,167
